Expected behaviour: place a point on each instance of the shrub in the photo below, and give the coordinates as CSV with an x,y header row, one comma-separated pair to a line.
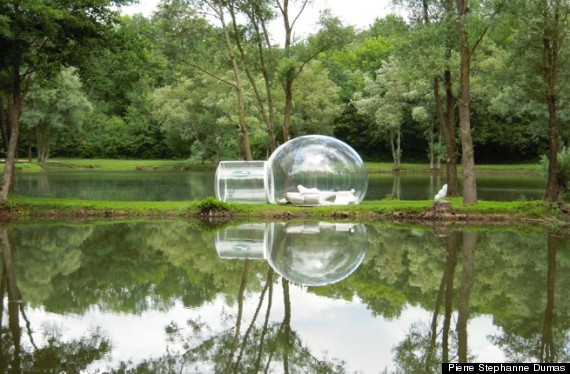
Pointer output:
x,y
212,206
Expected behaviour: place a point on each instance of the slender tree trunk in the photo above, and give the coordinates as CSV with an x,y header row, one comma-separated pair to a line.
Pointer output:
x,y
290,75
550,50
468,152
246,147
431,153
553,181
446,117
266,76
399,147
267,118
11,134
4,119
9,167
288,111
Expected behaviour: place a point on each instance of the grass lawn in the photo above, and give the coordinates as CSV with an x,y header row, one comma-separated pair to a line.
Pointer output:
x,y
484,211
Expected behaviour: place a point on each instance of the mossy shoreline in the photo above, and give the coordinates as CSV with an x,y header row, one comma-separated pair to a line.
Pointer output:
x,y
489,212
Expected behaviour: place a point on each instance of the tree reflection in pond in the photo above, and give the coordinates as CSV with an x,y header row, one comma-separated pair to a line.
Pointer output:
x,y
55,352
171,300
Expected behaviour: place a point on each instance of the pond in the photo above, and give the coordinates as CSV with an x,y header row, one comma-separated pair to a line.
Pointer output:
x,y
334,297
179,186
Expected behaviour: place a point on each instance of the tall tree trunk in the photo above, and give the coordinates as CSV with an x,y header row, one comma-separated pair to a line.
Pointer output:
x,y
268,118
468,152
449,135
446,118
14,110
446,114
4,119
431,151
290,75
553,182
550,49
246,147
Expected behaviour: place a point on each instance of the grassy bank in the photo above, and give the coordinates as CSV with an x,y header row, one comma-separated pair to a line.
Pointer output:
x,y
21,207
129,165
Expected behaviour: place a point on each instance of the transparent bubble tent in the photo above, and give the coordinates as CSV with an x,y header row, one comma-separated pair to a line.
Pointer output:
x,y
309,170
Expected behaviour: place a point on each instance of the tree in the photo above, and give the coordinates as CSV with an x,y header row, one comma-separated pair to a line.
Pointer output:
x,y
50,109
295,56
434,22
219,9
382,101
317,104
39,37
467,48
553,25
197,116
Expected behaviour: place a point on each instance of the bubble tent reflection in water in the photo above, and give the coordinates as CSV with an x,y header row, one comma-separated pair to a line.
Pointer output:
x,y
304,253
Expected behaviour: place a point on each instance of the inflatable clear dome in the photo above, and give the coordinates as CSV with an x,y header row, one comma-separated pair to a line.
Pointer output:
x,y
309,171
241,182
315,170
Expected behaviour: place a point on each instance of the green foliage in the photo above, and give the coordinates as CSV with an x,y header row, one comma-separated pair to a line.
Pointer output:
x,y
160,85
318,102
51,109
211,205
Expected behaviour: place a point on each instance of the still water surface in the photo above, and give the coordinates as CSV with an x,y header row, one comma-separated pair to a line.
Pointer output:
x,y
179,296
177,186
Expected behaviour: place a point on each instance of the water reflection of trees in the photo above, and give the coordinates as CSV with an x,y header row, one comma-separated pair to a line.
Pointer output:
x,y
54,353
510,275
253,346
516,277
542,333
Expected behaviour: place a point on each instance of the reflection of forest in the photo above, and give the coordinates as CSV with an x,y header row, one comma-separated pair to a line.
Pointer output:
x,y
517,276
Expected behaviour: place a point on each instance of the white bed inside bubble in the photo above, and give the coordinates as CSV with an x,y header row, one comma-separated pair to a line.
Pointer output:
x,y
315,197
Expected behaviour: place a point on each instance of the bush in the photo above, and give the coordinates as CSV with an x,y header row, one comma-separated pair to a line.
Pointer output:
x,y
212,206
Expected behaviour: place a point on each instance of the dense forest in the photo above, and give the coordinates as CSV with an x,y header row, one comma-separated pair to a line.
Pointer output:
x,y
207,80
